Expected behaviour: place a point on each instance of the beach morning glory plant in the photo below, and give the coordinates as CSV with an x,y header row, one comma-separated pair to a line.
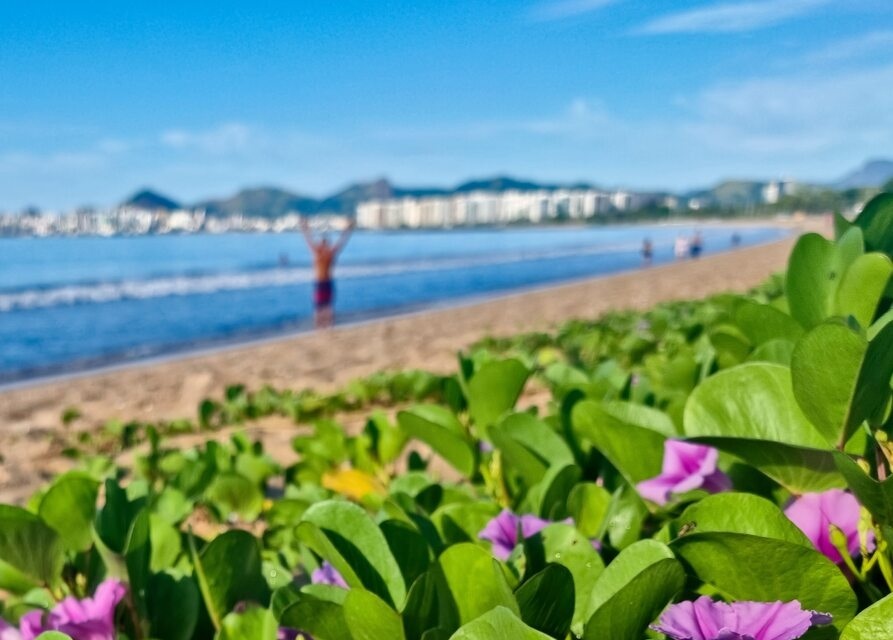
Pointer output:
x,y
706,619
503,530
87,619
686,467
815,514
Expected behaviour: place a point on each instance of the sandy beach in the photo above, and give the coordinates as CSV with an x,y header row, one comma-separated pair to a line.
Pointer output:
x,y
30,415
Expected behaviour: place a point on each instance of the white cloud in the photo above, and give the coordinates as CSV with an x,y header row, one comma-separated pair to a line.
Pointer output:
x,y
861,46
226,138
561,9
732,16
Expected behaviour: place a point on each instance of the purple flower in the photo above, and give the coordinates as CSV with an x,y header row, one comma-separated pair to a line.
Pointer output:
x,y
705,619
686,467
814,513
285,633
327,574
87,619
502,531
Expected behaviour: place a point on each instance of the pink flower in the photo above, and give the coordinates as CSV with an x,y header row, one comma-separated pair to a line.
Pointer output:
x,y
87,619
814,513
502,531
686,467
327,574
705,619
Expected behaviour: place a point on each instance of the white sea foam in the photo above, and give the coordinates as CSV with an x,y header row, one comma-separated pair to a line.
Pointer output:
x,y
188,285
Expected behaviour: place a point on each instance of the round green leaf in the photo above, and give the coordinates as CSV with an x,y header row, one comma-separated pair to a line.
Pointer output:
x,y
69,507
494,389
470,583
824,369
499,624
546,601
632,591
229,570
873,623
28,544
438,428
345,535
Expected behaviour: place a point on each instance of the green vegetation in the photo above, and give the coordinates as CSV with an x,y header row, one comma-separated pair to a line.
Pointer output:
x,y
653,459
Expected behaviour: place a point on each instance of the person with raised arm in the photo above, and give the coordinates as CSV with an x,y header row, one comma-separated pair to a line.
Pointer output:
x,y
324,255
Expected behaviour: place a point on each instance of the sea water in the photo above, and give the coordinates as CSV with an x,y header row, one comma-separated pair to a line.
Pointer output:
x,y
76,303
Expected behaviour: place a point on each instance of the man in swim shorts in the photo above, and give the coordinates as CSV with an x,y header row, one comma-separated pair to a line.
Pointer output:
x,y
324,254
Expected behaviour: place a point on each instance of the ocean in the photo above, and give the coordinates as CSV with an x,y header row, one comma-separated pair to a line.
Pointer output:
x,y
70,304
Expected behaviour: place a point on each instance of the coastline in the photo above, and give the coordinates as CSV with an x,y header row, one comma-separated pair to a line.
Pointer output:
x,y
429,339
158,352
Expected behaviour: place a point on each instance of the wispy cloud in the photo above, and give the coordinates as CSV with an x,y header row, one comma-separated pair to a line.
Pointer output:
x,y
732,17
862,46
561,9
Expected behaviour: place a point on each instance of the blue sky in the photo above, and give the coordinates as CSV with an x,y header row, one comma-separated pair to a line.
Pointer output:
x,y
203,98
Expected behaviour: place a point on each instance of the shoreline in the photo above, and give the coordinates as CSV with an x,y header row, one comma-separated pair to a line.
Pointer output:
x,y
30,416
163,354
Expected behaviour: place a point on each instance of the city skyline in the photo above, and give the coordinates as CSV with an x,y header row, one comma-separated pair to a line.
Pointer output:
x,y
200,99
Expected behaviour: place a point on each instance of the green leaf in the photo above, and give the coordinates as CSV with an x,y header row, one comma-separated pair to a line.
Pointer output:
x,y
727,511
632,591
815,268
69,507
54,635
232,493
494,389
229,571
751,412
530,446
369,618
548,498
762,323
876,221
470,583
824,368
875,496
439,429
321,618
775,351
547,599
499,624
873,623
253,624
173,604
462,522
588,505
137,558
631,438
862,287
563,544
344,534
28,544
409,548
731,530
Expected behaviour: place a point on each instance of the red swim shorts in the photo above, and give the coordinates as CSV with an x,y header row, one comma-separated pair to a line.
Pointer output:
x,y
324,293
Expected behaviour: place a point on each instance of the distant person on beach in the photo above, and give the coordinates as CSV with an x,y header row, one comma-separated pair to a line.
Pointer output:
x,y
680,247
647,251
736,239
324,254
697,245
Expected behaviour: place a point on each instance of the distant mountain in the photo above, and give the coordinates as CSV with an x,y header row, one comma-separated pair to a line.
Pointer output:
x,y
502,183
261,202
873,173
148,199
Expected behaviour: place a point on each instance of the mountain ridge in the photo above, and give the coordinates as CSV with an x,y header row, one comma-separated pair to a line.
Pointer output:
x,y
272,202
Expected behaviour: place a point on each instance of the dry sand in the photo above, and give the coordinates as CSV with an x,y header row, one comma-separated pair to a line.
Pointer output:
x,y
29,416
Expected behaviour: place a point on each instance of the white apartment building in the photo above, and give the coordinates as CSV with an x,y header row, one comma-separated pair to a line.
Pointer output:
x,y
487,207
